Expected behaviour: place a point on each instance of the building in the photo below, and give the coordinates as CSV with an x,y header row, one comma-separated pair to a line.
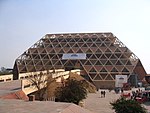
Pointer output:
x,y
99,56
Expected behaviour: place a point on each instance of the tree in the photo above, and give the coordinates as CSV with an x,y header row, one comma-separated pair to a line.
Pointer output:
x,y
123,105
41,83
5,71
72,91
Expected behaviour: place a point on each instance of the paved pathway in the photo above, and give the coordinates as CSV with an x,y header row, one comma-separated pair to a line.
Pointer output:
x,y
96,104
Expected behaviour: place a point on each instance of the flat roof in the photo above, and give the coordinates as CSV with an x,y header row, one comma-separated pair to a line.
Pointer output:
x,y
20,106
9,87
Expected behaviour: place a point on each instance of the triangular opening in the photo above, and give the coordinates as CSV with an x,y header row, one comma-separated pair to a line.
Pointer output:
x,y
111,45
75,45
89,40
72,40
74,62
113,56
82,61
54,62
98,51
89,44
53,40
58,63
49,63
69,64
64,40
93,61
114,70
97,77
93,57
35,52
88,63
103,57
125,70
84,45
98,55
98,40
103,76
81,40
122,56
58,45
108,55
44,51
63,62
108,63
37,57
98,63
122,49
88,55
108,50
103,45
89,51
60,55
108,77
79,51
93,70
113,61
94,45
92,75
67,45
46,57
117,50
45,62
107,44
107,40
70,51
124,61
103,38
55,57
94,39
61,51
103,61
85,39
77,38
24,69
118,63
68,38
128,63
53,51
118,55
103,70
30,62
40,63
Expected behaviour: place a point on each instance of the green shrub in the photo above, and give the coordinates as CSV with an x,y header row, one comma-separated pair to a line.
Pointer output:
x,y
123,105
73,92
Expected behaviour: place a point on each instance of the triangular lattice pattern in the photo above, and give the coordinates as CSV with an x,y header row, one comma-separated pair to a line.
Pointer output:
x,y
106,55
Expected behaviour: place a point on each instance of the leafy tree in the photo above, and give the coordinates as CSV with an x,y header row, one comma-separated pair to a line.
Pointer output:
x,y
123,105
72,91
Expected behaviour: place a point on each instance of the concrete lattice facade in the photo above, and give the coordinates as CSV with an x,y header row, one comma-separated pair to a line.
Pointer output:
x,y
106,56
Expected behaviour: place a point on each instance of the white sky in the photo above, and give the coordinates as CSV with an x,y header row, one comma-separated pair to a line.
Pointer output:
x,y
24,22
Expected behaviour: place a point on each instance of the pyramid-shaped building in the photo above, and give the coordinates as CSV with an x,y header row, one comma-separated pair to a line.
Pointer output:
x,y
99,56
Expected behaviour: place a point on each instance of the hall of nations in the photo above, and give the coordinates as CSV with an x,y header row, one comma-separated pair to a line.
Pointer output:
x,y
99,56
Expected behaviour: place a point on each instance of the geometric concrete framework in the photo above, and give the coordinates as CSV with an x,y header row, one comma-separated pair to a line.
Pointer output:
x,y
99,56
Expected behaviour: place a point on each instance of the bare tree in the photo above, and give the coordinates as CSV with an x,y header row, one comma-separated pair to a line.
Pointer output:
x,y
41,82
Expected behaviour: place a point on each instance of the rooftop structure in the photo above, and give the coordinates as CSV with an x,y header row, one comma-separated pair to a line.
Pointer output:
x,y
99,56
19,106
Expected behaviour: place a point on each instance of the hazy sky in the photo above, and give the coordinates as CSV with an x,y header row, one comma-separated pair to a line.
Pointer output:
x,y
24,22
